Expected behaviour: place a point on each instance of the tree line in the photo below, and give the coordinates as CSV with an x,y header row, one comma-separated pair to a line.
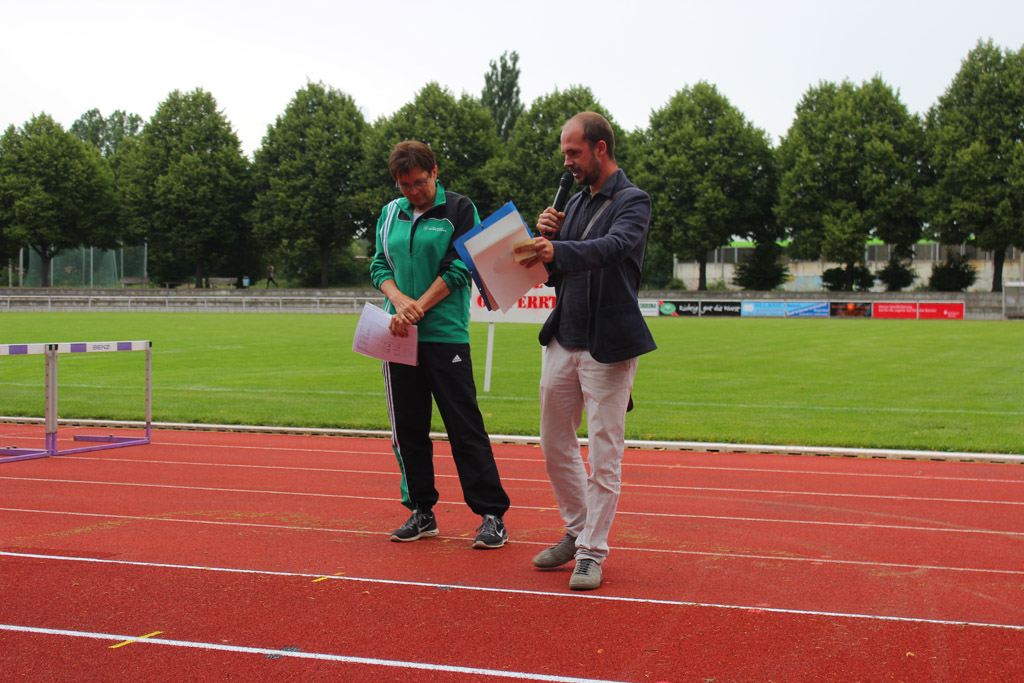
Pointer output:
x,y
854,166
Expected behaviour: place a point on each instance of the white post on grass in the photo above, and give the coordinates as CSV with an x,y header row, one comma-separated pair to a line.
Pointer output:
x,y
490,356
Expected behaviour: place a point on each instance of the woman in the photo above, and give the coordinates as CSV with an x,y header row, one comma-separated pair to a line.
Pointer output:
x,y
417,268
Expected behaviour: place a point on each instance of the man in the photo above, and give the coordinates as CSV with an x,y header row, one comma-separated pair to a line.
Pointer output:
x,y
418,270
593,252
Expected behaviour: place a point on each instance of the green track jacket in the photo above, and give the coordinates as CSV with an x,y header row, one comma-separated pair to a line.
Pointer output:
x,y
414,254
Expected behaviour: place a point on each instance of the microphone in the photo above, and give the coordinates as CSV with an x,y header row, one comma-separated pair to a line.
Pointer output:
x,y
562,196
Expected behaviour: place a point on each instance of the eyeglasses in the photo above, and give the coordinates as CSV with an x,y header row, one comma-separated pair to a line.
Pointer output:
x,y
418,185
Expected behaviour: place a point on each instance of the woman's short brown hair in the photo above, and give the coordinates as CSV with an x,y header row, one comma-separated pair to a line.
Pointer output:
x,y
411,155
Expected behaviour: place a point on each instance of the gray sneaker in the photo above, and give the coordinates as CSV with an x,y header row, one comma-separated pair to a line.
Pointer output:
x,y
556,555
586,576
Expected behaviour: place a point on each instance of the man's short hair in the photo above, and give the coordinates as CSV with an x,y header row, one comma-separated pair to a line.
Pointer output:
x,y
409,156
595,129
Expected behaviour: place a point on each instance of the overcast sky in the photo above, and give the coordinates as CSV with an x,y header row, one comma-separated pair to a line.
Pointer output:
x,y
65,57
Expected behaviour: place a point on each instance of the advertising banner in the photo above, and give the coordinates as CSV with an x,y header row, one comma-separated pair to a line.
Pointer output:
x,y
680,309
850,309
894,310
534,307
806,309
763,309
906,310
951,310
649,308
720,309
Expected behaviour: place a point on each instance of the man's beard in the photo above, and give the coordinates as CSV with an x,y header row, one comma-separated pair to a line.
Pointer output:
x,y
588,175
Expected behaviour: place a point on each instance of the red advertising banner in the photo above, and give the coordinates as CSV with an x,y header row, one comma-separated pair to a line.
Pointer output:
x,y
895,309
941,310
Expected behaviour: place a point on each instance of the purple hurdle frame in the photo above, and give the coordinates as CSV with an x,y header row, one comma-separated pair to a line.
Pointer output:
x,y
51,352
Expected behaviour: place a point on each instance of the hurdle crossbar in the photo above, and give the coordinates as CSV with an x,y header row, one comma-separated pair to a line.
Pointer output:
x,y
51,352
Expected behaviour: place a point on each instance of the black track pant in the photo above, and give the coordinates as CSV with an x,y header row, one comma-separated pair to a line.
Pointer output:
x,y
444,373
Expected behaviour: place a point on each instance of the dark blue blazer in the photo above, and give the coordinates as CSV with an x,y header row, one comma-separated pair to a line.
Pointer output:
x,y
612,254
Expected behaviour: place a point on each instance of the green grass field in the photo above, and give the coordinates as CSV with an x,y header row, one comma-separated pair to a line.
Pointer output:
x,y
929,385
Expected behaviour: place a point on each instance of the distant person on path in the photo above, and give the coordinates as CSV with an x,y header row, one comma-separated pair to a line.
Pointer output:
x,y
593,252
426,284
270,276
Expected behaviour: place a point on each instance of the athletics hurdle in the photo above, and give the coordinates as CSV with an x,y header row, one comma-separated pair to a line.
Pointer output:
x,y
51,352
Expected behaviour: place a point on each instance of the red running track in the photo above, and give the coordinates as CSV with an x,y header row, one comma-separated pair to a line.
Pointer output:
x,y
207,556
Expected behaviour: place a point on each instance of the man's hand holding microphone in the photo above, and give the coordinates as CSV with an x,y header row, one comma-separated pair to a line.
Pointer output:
x,y
548,225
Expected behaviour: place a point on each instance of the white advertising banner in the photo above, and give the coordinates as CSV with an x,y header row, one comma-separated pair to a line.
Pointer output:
x,y
533,307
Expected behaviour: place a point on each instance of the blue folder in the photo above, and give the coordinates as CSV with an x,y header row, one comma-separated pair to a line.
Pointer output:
x,y
460,247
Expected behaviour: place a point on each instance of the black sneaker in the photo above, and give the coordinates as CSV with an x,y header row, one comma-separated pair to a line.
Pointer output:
x,y
420,525
491,533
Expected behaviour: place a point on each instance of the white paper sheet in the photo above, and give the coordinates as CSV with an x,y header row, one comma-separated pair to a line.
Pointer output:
x,y
374,339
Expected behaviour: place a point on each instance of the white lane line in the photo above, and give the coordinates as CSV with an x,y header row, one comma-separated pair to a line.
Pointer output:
x,y
321,656
625,464
197,488
659,551
666,515
696,447
702,489
815,522
519,591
